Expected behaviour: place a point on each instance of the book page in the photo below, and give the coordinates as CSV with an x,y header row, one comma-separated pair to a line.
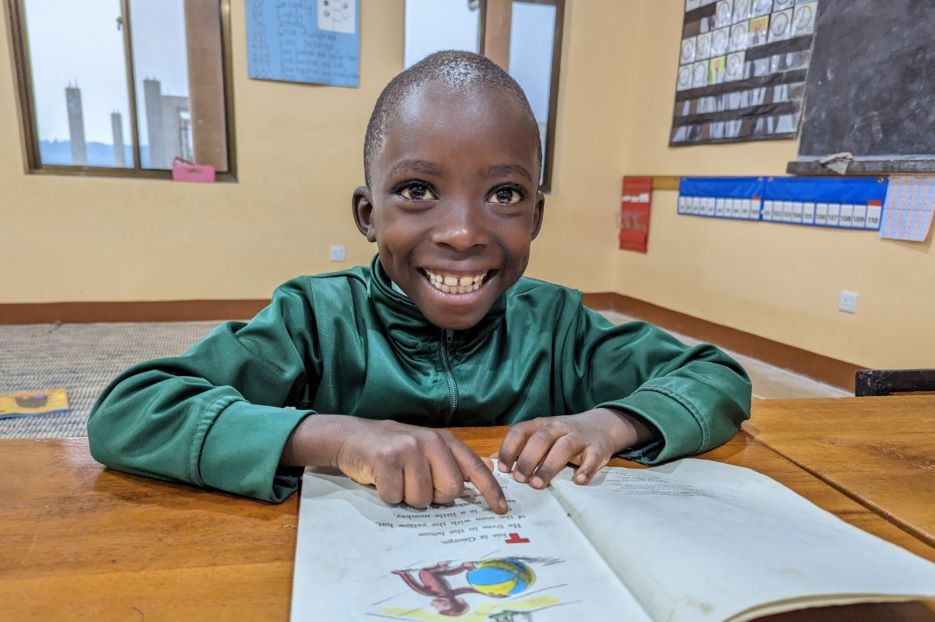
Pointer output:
x,y
358,558
701,540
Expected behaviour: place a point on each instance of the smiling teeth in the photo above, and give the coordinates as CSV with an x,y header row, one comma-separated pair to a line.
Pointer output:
x,y
456,285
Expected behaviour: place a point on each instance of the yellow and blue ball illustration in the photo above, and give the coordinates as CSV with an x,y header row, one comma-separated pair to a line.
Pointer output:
x,y
501,577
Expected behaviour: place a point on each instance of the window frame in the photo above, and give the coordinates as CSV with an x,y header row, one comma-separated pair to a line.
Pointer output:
x,y
16,13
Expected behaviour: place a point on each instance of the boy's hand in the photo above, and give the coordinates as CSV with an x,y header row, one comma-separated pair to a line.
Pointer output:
x,y
406,463
538,449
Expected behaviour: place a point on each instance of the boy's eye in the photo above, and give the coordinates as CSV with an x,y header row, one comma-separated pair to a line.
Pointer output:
x,y
505,196
416,192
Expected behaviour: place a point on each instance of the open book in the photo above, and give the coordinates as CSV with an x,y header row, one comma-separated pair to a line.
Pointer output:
x,y
691,540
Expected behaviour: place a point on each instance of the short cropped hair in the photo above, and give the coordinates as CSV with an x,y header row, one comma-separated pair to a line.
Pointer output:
x,y
461,71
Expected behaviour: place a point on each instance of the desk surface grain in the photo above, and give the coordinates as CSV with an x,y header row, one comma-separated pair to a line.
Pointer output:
x,y
81,542
880,451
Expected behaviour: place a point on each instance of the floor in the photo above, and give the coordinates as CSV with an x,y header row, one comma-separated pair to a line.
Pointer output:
x,y
769,381
83,358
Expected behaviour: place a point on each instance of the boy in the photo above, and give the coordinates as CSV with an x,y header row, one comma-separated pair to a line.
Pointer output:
x,y
440,331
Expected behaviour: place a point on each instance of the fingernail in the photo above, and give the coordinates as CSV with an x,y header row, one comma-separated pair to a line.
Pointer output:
x,y
503,506
503,467
536,482
519,477
581,478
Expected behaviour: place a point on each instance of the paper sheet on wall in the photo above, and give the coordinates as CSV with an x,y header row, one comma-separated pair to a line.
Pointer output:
x,y
314,41
907,210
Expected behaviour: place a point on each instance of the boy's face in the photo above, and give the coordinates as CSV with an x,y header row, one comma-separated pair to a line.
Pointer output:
x,y
453,198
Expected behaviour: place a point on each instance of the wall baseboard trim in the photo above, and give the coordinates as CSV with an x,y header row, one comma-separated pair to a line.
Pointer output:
x,y
817,366
822,368
143,311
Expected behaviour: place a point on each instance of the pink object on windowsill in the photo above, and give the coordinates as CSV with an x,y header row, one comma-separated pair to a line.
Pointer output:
x,y
183,170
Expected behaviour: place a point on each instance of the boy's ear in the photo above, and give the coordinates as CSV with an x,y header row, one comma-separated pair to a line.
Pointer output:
x,y
362,205
539,209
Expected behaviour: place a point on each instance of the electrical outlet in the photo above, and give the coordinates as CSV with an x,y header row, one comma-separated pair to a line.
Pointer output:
x,y
847,301
337,253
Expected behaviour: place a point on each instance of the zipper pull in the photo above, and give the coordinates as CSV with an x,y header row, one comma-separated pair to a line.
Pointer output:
x,y
448,335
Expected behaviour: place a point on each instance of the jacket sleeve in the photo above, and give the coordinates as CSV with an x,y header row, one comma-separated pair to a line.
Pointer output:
x,y
215,416
696,397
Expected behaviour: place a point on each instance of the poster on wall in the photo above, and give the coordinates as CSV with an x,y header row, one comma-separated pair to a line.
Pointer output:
x,y
312,41
742,69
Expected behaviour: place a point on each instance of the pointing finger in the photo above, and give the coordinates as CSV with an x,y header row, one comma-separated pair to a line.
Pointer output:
x,y
476,472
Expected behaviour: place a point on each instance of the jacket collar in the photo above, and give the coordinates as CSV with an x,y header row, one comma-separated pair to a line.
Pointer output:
x,y
406,325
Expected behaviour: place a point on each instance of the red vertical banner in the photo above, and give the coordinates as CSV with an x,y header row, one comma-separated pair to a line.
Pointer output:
x,y
634,213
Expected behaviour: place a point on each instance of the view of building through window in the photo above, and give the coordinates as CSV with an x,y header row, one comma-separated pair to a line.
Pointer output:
x,y
80,92
434,25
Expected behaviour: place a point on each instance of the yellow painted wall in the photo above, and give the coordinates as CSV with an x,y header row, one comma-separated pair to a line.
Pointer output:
x,y
299,158
777,281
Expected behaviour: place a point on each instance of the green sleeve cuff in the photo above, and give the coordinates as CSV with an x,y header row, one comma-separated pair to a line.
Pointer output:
x,y
242,449
676,422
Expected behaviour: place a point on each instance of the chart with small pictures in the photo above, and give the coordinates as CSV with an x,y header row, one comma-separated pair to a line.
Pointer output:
x,y
742,69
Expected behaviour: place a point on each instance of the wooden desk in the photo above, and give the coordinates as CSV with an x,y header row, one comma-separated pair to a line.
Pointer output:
x,y
79,542
880,451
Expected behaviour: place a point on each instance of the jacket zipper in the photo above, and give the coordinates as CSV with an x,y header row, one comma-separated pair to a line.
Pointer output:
x,y
449,375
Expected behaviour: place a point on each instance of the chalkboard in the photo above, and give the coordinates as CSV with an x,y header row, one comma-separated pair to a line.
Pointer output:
x,y
871,87
315,41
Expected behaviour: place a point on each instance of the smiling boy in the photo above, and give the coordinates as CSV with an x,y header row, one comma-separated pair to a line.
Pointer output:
x,y
360,369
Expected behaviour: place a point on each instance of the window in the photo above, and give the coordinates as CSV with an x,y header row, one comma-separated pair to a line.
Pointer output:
x,y
435,25
123,87
535,49
522,36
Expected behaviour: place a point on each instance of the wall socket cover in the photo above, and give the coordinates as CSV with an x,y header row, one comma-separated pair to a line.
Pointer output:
x,y
847,301
337,253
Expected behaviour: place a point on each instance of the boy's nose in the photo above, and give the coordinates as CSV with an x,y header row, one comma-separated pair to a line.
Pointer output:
x,y
461,228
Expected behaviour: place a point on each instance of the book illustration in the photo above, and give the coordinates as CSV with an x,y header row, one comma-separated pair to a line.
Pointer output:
x,y
720,41
685,78
759,30
735,66
716,70
804,19
738,37
780,26
448,585
761,7
687,53
699,74
741,11
722,13
703,46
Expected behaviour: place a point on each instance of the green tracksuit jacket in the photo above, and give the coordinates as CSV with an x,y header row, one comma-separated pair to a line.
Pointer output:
x,y
348,343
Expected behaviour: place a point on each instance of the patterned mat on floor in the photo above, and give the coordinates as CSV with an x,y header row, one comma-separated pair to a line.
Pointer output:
x,y
82,358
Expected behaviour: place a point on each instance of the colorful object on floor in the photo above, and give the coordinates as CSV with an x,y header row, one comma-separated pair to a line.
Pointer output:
x,y
28,403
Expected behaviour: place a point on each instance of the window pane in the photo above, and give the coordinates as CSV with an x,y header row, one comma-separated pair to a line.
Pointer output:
x,y
433,25
532,30
79,82
177,57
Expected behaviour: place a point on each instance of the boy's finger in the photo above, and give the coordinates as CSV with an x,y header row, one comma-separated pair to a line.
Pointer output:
x,y
389,483
513,444
560,454
447,479
488,462
534,452
591,463
477,473
417,483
